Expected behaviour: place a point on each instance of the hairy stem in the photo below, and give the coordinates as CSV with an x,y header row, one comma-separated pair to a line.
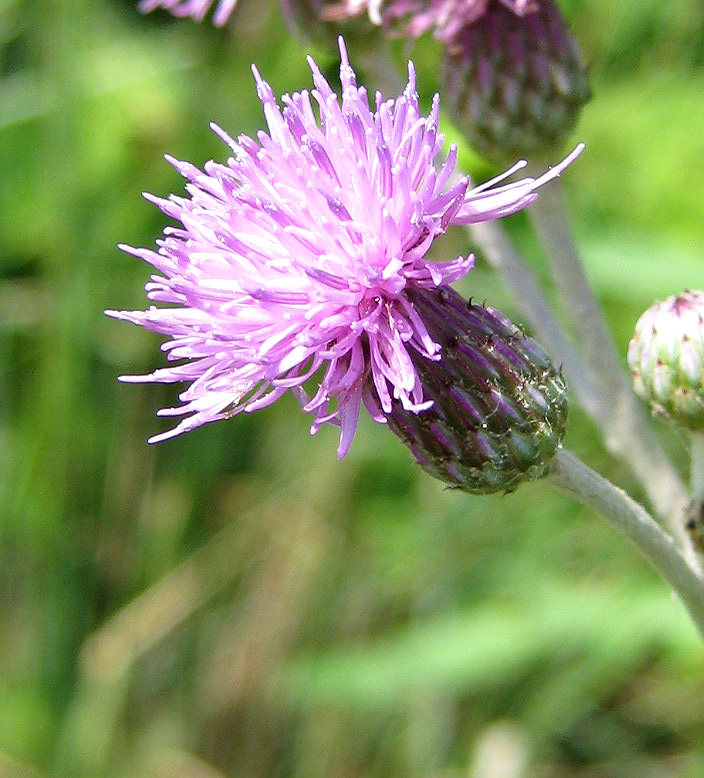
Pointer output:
x,y
632,520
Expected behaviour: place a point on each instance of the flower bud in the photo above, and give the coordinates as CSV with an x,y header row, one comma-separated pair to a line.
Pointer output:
x,y
499,405
515,84
666,358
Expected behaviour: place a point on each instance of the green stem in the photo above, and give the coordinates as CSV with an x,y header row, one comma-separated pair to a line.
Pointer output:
x,y
624,421
697,467
633,521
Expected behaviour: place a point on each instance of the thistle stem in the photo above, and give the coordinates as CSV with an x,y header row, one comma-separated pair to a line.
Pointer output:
x,y
623,420
498,249
697,466
633,521
549,219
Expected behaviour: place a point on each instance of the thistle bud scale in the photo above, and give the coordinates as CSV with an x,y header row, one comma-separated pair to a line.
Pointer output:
x,y
516,84
666,358
499,405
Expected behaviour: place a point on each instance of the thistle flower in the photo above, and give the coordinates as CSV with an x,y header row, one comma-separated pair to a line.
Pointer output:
x,y
195,9
295,258
415,17
309,12
666,358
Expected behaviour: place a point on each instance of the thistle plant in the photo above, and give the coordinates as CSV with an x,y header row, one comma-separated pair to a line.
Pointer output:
x,y
412,18
301,265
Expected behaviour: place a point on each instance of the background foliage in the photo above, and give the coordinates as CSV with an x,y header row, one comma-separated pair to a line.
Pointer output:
x,y
237,602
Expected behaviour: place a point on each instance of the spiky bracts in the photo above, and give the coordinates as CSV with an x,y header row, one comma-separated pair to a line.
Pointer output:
x,y
666,358
515,85
499,404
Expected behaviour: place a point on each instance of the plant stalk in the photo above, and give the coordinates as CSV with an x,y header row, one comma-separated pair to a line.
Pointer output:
x,y
697,467
632,520
623,420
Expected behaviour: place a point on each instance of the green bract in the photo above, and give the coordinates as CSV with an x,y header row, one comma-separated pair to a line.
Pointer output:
x,y
499,405
666,358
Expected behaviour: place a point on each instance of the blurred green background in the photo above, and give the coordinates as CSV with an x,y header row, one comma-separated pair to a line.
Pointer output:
x,y
236,602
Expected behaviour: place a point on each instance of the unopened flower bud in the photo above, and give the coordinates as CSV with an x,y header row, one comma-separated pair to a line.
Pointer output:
x,y
499,405
515,83
666,358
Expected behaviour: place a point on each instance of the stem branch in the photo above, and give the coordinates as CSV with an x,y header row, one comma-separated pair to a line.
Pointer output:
x,y
624,421
632,520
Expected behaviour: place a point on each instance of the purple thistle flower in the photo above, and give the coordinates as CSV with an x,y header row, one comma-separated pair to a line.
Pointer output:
x,y
294,257
446,17
195,9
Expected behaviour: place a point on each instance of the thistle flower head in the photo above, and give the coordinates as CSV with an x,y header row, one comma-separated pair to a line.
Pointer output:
x,y
666,358
193,9
294,259
515,86
415,17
